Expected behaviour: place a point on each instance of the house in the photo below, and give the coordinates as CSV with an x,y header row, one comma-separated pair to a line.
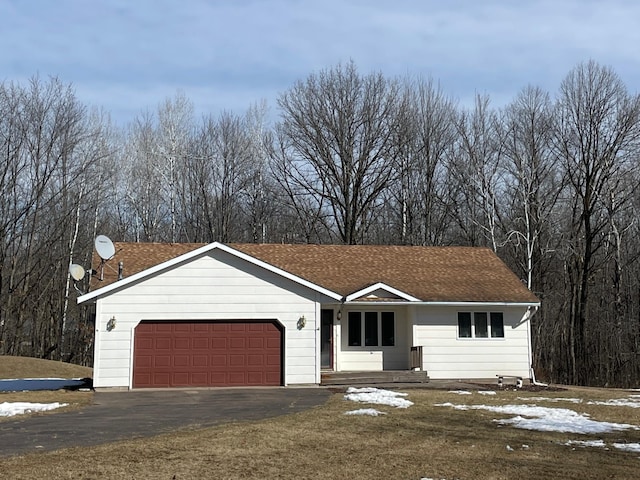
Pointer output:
x,y
276,314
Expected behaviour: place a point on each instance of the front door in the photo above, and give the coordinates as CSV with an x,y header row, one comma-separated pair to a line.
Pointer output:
x,y
326,338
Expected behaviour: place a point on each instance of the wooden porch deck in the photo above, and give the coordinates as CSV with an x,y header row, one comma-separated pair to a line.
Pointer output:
x,y
373,378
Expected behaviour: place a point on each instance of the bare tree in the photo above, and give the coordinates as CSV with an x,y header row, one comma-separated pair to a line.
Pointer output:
x,y
42,131
476,175
423,138
598,133
334,148
533,182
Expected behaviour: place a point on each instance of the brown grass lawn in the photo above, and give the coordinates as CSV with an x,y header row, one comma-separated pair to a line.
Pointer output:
x,y
26,367
422,441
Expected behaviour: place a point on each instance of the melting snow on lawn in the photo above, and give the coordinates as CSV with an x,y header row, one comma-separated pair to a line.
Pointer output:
x,y
548,399
531,417
366,411
632,402
8,409
628,447
376,396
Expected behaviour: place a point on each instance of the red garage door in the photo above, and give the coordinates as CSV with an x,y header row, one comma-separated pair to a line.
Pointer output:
x,y
204,354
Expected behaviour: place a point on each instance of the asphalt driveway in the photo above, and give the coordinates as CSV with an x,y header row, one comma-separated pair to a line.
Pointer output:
x,y
130,414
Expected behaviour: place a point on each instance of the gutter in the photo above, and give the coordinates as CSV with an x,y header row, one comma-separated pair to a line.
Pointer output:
x,y
530,313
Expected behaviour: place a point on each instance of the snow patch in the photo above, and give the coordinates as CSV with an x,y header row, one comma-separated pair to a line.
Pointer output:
x,y
377,397
544,419
548,399
586,443
486,392
9,409
618,402
628,447
460,392
366,411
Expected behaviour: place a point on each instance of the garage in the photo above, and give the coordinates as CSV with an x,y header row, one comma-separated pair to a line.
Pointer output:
x,y
207,354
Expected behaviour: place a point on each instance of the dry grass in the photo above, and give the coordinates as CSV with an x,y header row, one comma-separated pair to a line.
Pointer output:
x,y
422,441
26,367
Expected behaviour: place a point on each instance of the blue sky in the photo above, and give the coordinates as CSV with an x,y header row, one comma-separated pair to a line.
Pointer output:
x,y
128,56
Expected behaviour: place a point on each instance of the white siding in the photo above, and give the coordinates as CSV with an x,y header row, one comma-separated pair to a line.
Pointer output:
x,y
216,286
445,356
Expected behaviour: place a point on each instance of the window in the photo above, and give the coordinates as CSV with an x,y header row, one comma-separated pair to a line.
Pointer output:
x,y
480,322
355,329
497,325
370,329
464,325
483,323
388,329
378,328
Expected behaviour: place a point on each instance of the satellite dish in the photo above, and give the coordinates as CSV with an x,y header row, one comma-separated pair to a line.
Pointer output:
x,y
104,247
76,271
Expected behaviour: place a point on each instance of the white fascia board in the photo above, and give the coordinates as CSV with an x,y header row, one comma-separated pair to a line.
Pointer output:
x,y
199,251
450,304
381,286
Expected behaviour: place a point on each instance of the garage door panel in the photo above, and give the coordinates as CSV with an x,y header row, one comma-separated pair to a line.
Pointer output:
x,y
160,379
218,360
200,360
163,343
237,378
273,360
181,361
199,379
180,379
172,354
144,343
200,343
160,361
236,360
253,360
145,361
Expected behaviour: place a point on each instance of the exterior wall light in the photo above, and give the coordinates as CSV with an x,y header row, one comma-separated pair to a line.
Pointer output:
x,y
111,324
302,322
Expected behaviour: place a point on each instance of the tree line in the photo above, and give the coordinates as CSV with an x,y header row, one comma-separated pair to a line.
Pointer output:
x,y
548,181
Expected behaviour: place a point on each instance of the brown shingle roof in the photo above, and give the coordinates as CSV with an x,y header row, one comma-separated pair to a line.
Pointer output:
x,y
435,274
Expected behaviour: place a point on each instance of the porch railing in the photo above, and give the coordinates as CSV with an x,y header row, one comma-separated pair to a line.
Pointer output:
x,y
415,357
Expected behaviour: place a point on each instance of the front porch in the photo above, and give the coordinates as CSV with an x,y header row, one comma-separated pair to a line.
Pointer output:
x,y
331,378
369,337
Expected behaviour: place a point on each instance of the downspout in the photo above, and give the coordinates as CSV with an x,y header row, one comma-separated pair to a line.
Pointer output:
x,y
530,313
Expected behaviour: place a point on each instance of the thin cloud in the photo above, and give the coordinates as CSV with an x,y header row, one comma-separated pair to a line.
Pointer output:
x,y
227,55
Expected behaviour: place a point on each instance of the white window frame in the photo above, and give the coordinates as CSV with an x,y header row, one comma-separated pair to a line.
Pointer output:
x,y
489,316
363,314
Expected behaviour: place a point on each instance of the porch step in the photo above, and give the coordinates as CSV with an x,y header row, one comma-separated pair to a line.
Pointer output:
x,y
373,378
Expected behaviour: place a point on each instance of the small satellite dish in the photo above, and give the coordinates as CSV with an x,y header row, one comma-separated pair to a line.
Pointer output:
x,y
104,247
76,271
